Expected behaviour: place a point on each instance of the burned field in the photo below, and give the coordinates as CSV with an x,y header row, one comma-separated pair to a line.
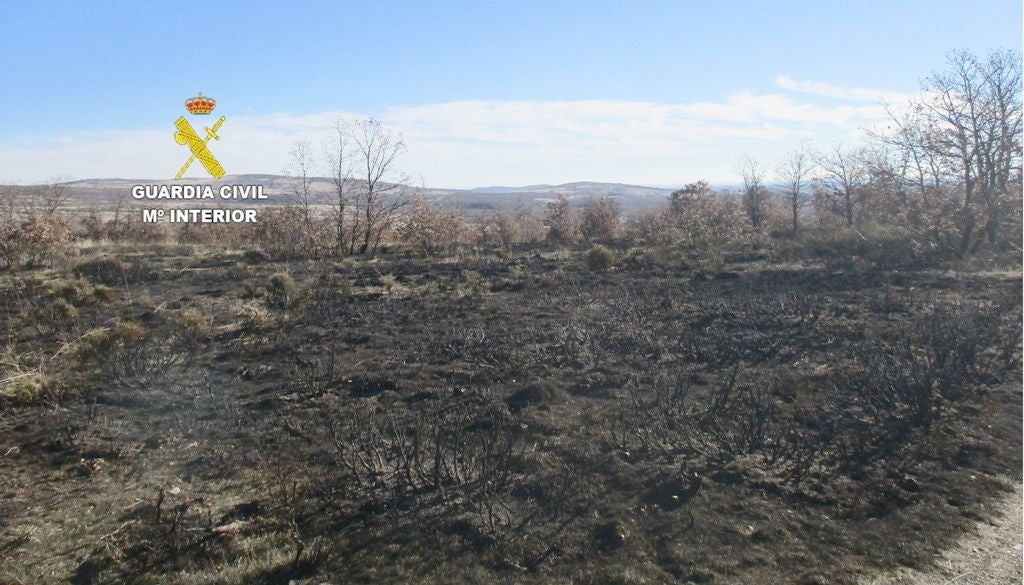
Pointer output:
x,y
188,417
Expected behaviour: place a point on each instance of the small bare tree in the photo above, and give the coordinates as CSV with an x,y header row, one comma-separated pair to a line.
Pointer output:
x,y
53,195
302,168
499,229
8,201
378,195
338,152
843,177
755,193
793,175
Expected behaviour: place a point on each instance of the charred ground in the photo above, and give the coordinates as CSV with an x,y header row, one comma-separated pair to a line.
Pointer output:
x,y
201,417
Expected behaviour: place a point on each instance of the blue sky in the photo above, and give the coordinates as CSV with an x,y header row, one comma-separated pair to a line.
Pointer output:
x,y
484,92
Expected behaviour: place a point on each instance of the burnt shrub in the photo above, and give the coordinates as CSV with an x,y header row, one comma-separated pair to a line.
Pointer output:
x,y
966,343
329,293
105,269
464,454
880,409
112,271
904,382
130,353
673,417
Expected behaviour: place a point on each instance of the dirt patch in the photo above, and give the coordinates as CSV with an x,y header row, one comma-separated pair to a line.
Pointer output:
x,y
989,555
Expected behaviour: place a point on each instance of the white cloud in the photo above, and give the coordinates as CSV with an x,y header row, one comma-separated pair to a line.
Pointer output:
x,y
472,143
837,91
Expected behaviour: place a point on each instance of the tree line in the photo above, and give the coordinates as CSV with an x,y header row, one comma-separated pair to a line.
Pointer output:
x,y
946,168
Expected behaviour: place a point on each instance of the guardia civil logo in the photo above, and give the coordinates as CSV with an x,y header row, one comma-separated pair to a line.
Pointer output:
x,y
199,105
198,148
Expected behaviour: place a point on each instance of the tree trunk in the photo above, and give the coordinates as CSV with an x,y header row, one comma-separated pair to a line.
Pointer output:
x,y
967,216
849,207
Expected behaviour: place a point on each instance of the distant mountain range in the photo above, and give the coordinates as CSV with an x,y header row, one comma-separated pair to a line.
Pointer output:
x,y
282,189
511,189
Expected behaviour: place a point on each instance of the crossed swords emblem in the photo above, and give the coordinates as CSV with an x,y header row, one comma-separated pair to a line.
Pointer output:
x,y
187,136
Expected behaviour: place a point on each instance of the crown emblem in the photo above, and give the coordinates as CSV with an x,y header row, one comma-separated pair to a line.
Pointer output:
x,y
200,104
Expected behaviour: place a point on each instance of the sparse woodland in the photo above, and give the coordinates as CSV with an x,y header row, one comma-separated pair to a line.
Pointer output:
x,y
805,381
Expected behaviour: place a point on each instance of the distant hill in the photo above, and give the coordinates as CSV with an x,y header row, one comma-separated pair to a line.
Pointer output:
x,y
282,189
509,189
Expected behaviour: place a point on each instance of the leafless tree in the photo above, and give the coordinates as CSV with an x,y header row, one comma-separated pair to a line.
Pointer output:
x,y
53,195
378,195
302,168
974,112
338,152
499,229
961,143
755,193
793,175
8,198
922,170
843,177
44,199
886,194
